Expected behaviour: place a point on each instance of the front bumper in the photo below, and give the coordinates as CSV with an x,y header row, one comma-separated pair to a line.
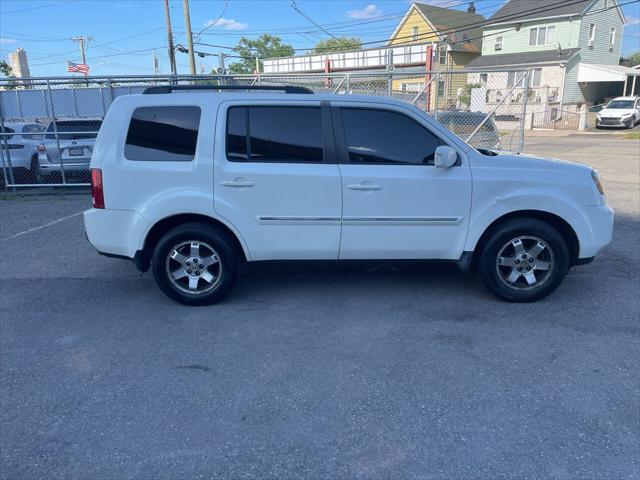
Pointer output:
x,y
614,121
116,232
600,221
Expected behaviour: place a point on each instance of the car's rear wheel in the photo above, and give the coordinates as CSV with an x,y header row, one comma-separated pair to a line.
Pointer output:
x,y
195,264
523,260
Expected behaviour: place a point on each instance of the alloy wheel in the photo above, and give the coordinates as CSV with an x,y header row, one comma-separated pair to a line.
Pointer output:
x,y
525,263
194,267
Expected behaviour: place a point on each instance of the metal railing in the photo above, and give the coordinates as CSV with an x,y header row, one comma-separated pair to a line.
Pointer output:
x,y
65,107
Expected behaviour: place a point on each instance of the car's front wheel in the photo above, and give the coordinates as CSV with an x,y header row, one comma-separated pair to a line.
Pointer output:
x,y
195,264
523,260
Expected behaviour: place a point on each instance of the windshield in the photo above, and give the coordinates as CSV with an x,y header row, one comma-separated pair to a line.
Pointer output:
x,y
75,128
620,104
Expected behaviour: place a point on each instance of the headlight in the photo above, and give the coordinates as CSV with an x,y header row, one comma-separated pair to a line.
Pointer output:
x,y
596,180
599,115
626,115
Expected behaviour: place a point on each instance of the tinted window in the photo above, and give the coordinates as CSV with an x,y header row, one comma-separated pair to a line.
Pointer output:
x,y
276,134
32,131
165,134
75,129
237,134
3,133
378,136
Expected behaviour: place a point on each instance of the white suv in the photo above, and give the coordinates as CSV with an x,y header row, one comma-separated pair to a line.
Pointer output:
x,y
192,181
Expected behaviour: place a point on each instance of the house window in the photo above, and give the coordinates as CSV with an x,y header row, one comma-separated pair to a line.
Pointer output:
x,y
498,45
537,76
442,56
515,78
592,34
483,79
441,88
606,3
542,35
612,39
414,33
551,34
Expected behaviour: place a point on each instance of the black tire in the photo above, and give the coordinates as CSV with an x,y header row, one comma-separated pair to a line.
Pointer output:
x,y
208,237
530,232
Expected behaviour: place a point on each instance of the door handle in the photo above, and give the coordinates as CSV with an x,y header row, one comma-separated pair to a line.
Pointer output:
x,y
237,183
364,187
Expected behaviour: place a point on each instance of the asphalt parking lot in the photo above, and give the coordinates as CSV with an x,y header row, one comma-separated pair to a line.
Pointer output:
x,y
318,371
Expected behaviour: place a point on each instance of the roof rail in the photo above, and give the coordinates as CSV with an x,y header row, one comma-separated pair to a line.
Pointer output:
x,y
173,88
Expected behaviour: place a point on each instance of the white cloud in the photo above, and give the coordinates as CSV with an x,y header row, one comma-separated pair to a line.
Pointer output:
x,y
226,24
369,11
7,41
632,20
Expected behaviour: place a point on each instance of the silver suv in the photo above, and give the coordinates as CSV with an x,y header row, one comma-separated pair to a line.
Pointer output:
x,y
71,150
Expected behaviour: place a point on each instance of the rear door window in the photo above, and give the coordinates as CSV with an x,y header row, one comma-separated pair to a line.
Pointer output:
x,y
275,134
163,134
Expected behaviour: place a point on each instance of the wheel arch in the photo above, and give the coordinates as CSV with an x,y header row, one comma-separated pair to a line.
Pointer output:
x,y
560,224
161,227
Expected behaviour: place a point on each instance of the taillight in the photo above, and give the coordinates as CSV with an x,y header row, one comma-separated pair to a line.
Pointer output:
x,y
97,192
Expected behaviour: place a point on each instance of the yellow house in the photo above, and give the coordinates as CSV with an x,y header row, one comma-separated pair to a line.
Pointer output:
x,y
454,44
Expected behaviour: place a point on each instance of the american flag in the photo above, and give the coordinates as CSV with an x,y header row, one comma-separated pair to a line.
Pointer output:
x,y
78,68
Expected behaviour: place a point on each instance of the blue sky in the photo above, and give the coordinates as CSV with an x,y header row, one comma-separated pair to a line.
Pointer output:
x,y
126,32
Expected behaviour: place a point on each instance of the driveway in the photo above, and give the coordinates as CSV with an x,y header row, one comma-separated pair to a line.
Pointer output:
x,y
318,370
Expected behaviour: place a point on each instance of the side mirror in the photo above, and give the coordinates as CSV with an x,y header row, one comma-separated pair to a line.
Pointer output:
x,y
445,157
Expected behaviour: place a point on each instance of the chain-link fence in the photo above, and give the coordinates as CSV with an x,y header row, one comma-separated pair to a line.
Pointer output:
x,y
48,126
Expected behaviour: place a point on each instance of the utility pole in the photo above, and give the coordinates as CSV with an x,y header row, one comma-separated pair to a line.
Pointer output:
x,y
187,24
82,41
172,52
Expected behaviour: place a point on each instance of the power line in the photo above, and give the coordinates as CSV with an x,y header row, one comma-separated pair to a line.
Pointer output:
x,y
211,24
295,7
466,27
38,7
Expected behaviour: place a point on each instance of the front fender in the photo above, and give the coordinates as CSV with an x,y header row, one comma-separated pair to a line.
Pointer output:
x,y
526,200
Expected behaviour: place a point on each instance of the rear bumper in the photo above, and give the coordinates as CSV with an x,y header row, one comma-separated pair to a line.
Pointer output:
x,y
67,167
118,233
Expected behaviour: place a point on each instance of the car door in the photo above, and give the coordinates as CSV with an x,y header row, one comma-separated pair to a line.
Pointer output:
x,y
396,203
276,179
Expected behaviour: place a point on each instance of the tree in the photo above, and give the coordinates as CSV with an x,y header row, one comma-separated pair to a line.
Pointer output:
x,y
631,61
265,46
337,45
6,72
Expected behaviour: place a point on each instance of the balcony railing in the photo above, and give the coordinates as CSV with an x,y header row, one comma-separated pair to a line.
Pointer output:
x,y
537,95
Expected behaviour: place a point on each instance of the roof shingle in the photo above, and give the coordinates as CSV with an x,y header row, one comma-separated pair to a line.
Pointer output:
x,y
517,10
527,58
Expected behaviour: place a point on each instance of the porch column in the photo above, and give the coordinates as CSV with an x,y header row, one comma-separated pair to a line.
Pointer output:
x,y
624,91
633,85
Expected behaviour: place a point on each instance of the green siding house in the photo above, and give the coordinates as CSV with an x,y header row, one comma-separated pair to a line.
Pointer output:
x,y
557,44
